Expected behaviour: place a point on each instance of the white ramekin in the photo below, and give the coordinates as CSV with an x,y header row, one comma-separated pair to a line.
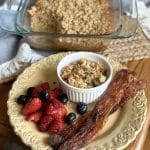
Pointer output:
x,y
84,95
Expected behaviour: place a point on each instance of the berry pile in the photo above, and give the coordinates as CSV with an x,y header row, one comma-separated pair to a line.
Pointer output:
x,y
41,105
46,108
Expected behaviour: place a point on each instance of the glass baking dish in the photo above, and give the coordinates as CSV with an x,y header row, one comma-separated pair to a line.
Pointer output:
x,y
121,19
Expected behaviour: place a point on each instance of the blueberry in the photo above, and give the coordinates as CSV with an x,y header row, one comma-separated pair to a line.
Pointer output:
x,y
22,99
82,108
63,98
44,95
30,91
70,118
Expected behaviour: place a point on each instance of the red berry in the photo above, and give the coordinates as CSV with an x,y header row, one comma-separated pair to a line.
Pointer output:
x,y
50,109
52,95
35,117
45,86
56,126
33,105
44,107
44,123
56,110
55,93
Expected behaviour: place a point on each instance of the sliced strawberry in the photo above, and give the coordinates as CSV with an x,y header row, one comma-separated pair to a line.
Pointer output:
x,y
44,107
52,95
50,109
55,93
59,115
45,86
39,88
33,105
35,117
44,123
56,126
56,102
56,110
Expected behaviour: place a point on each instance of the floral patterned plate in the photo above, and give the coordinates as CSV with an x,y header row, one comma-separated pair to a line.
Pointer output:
x,y
120,129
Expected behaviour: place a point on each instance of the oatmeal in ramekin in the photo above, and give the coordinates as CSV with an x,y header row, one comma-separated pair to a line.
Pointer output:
x,y
84,73
84,76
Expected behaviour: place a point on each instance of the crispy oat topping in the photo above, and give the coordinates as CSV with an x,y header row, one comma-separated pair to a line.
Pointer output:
x,y
72,16
84,73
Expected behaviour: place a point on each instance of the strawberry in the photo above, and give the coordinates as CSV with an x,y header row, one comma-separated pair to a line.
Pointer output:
x,y
57,103
55,93
44,123
50,109
39,88
33,105
45,86
56,110
35,117
56,126
52,95
44,107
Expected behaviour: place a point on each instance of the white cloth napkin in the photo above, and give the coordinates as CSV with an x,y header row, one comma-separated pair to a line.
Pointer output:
x,y
24,58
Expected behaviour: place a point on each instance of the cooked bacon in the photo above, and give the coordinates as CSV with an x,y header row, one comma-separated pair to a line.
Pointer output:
x,y
133,88
57,139
84,130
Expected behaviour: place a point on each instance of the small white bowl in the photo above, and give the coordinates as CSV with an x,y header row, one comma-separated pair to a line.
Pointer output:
x,y
84,95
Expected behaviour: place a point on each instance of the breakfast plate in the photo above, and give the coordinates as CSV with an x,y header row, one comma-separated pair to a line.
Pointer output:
x,y
120,130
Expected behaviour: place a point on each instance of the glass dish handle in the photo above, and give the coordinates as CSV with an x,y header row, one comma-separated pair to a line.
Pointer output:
x,y
11,3
129,18
8,15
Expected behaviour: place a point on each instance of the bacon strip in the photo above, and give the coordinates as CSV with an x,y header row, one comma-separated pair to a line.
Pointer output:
x,y
57,139
130,92
121,88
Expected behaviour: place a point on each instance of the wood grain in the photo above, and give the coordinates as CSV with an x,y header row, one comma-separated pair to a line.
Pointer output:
x,y
6,130
142,71
141,68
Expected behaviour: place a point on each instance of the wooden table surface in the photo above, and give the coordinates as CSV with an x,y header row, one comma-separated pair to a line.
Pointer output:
x,y
142,69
